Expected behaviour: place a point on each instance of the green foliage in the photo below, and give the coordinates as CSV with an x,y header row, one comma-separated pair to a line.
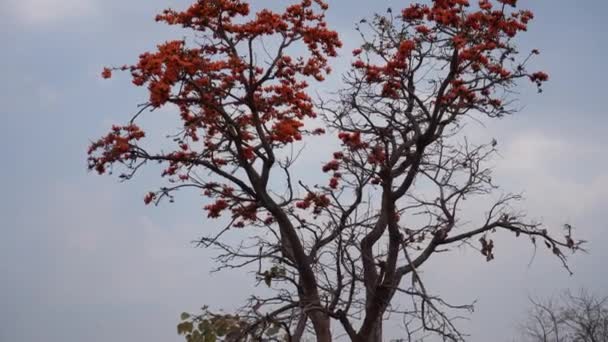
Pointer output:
x,y
275,272
211,327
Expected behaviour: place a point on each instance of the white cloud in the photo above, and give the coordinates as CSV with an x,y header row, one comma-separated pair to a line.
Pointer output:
x,y
564,176
531,151
45,12
83,257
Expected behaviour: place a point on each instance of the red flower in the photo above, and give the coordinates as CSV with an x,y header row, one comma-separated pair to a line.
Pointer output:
x,y
106,73
150,196
406,47
509,2
318,131
485,5
303,204
331,166
215,209
424,30
359,64
539,77
414,12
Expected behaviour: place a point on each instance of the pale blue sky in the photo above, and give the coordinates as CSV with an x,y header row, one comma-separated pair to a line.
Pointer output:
x,y
82,259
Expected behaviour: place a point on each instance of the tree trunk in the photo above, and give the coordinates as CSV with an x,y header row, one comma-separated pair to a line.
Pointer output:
x,y
320,323
309,295
300,328
377,332
374,335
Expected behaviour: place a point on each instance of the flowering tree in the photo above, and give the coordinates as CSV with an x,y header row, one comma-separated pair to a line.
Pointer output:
x,y
341,251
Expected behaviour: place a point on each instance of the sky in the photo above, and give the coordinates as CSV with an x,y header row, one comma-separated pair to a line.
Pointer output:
x,y
82,258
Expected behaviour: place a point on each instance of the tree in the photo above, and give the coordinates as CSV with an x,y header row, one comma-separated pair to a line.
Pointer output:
x,y
581,317
344,250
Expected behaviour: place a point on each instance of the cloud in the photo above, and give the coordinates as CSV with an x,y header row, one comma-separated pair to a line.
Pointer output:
x,y
561,174
47,12
531,151
92,268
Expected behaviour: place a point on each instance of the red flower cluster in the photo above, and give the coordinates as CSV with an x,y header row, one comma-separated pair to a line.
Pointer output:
x,y
215,210
333,182
232,101
106,73
113,147
352,140
539,77
415,12
333,165
176,161
238,107
287,130
246,212
150,196
422,29
478,37
377,155
509,2
319,201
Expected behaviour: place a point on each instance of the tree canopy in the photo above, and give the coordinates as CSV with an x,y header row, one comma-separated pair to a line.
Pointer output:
x,y
338,252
